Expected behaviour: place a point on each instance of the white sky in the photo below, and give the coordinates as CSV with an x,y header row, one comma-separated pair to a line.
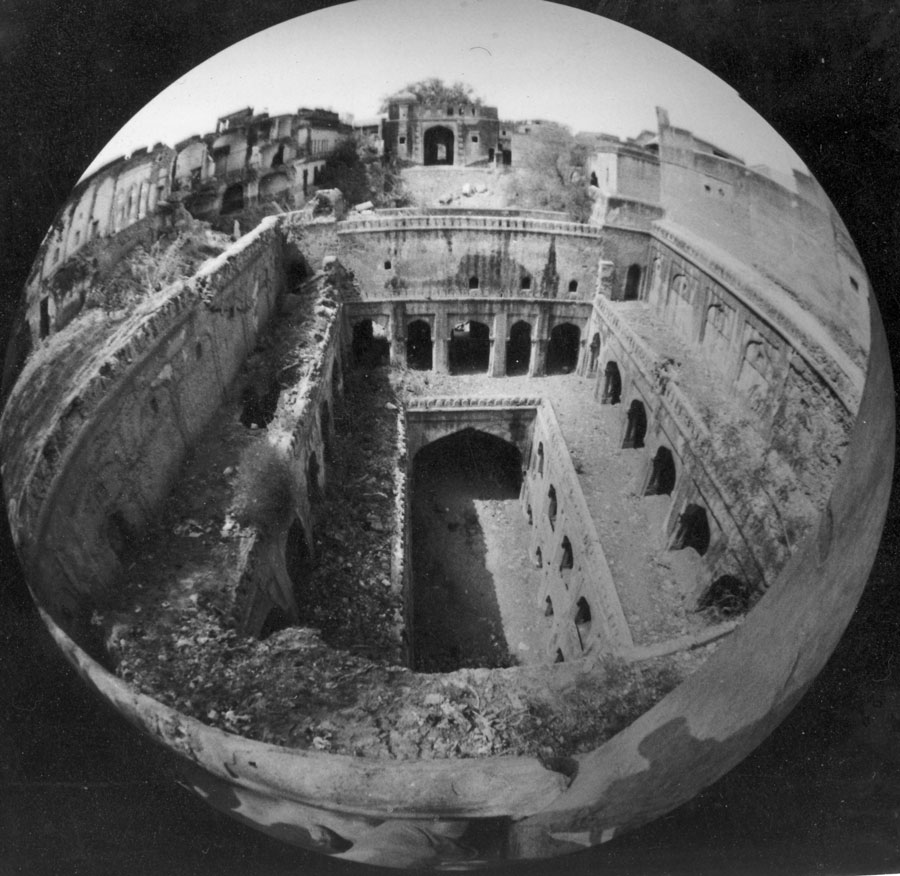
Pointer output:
x,y
531,59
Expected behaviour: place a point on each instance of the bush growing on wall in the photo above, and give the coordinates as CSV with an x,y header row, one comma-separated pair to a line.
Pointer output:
x,y
262,492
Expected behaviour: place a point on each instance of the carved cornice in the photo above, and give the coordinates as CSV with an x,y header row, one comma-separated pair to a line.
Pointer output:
x,y
427,222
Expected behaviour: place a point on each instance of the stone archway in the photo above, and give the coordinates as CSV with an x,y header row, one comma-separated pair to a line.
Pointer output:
x,y
692,530
562,351
663,474
470,348
612,385
632,283
518,349
636,429
439,145
370,346
419,345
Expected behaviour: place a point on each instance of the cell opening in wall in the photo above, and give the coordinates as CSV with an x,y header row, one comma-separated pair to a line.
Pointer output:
x,y
370,346
551,506
582,621
636,426
518,349
612,385
632,282
662,473
419,346
567,559
562,351
470,348
692,530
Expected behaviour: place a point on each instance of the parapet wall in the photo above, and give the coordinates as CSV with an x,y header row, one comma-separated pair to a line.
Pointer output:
x,y
433,255
88,468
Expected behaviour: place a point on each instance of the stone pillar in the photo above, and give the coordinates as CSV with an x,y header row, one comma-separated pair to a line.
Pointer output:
x,y
397,333
498,346
539,338
440,342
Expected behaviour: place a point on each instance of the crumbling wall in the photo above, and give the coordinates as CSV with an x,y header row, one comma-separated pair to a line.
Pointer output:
x,y
102,449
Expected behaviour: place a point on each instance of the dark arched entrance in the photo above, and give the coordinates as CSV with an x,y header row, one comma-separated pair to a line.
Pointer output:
x,y
636,430
370,347
662,476
562,351
233,199
470,348
692,530
456,620
632,283
612,385
439,143
419,345
518,348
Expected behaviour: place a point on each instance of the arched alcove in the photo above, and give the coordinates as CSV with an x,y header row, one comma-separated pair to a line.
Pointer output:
x,y
567,558
470,348
370,346
662,474
419,346
632,283
692,530
612,385
636,427
439,144
562,351
518,349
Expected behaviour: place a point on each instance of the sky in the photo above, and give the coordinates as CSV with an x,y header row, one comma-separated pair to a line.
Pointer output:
x,y
529,58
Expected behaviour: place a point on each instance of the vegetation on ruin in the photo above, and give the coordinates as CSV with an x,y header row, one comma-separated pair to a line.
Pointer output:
x,y
120,285
549,173
435,92
363,175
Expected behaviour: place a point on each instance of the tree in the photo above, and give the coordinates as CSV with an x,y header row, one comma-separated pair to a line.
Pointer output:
x,y
361,174
435,91
550,172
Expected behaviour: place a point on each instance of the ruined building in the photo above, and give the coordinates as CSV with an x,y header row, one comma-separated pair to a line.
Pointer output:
x,y
459,134
673,391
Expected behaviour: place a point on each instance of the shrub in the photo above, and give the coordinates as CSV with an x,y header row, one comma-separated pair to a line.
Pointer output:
x,y
262,492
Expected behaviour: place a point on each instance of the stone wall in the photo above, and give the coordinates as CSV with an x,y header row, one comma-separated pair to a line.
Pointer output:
x,y
87,469
431,256
565,545
765,225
